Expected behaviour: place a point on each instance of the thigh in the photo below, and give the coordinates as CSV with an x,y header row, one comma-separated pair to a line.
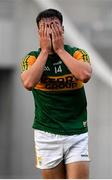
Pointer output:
x,y
76,157
57,172
77,170
76,149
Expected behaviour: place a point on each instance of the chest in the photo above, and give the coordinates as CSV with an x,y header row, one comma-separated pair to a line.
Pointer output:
x,y
55,67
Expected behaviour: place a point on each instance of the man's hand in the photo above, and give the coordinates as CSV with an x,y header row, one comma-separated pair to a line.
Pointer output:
x,y
57,37
45,40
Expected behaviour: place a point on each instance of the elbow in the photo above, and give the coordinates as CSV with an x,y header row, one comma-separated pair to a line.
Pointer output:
x,y
28,85
85,76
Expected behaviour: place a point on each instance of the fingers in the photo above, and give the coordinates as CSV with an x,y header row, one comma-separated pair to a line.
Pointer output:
x,y
41,29
56,30
46,29
60,30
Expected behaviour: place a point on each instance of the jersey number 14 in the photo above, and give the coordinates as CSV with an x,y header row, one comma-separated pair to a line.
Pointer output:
x,y
57,69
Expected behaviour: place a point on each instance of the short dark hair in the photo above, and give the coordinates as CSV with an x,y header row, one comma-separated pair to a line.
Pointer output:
x,y
48,13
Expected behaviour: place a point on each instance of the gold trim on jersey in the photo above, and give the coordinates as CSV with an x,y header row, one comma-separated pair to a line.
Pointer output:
x,y
27,62
31,60
81,55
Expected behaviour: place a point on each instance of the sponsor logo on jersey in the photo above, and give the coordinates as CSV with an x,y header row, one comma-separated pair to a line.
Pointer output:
x,y
59,82
55,83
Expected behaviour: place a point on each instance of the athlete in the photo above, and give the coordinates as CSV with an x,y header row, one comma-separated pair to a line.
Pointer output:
x,y
56,74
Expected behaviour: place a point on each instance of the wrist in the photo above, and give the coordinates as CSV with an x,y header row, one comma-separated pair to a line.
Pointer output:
x,y
59,51
44,51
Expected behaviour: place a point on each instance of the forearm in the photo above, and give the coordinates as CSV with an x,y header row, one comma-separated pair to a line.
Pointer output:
x,y
32,76
81,70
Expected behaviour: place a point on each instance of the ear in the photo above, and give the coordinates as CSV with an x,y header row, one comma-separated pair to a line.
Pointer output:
x,y
63,29
38,30
38,33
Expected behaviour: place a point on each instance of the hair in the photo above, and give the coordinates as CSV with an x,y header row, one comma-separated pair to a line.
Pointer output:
x,y
49,13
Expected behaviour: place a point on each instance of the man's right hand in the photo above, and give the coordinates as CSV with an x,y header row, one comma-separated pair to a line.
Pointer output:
x,y
45,40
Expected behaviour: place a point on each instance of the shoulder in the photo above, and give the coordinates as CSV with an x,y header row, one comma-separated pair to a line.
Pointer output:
x,y
29,60
31,55
34,53
81,54
73,49
70,49
77,53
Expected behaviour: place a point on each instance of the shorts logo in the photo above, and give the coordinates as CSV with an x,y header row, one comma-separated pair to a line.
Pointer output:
x,y
85,123
39,161
84,155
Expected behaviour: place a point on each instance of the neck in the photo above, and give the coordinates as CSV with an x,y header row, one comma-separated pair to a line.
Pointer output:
x,y
50,52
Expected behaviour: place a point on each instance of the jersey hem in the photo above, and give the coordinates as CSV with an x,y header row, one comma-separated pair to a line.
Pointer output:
x,y
59,132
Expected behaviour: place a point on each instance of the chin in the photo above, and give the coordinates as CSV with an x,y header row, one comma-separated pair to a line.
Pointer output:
x,y
52,50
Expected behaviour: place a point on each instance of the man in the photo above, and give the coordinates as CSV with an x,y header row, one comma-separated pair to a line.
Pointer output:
x,y
55,74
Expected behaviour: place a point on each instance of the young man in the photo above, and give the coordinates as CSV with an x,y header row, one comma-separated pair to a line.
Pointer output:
x,y
55,74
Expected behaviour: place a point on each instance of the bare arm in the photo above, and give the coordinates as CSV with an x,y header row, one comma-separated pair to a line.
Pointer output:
x,y
81,70
32,76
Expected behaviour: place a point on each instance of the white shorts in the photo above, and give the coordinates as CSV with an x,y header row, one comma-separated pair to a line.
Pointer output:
x,y
51,149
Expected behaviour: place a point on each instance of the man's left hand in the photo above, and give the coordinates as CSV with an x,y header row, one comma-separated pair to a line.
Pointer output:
x,y
57,37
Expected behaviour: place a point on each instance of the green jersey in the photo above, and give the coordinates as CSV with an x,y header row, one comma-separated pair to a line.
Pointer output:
x,y
60,100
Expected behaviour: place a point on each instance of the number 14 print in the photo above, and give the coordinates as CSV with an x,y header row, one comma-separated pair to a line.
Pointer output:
x,y
58,69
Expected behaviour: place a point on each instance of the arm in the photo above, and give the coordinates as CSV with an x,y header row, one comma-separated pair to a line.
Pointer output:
x,y
80,69
32,75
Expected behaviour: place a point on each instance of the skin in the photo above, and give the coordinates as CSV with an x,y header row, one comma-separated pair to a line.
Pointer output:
x,y
76,170
59,172
51,41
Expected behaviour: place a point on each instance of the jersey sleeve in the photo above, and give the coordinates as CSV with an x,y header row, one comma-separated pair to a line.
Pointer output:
x,y
81,55
27,62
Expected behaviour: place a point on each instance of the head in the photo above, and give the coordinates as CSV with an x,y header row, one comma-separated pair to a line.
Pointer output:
x,y
50,15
